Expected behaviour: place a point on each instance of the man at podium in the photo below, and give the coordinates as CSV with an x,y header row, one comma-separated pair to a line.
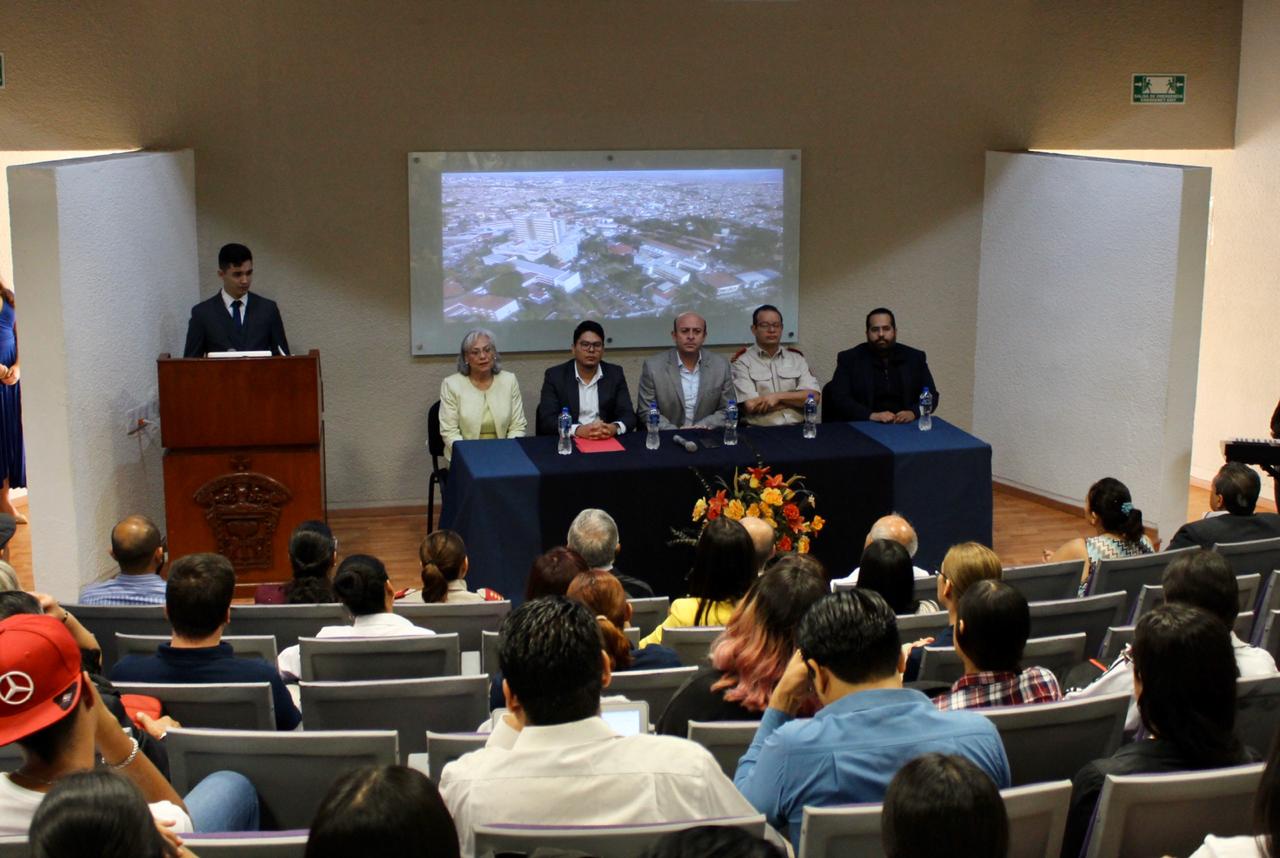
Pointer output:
x,y
233,320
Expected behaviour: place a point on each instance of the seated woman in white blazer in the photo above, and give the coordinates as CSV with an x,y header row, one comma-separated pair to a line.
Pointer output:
x,y
480,400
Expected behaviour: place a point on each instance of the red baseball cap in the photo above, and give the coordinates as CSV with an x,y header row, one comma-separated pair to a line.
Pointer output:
x,y
40,678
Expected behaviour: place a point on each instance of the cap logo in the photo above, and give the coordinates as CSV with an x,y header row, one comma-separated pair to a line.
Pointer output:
x,y
16,688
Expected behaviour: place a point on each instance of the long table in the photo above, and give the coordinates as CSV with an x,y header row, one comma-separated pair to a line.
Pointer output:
x,y
513,499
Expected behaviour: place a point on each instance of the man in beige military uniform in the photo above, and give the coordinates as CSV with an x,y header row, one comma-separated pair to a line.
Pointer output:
x,y
770,381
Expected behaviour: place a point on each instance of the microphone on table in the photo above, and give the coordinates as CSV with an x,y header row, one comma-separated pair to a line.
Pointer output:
x,y
689,446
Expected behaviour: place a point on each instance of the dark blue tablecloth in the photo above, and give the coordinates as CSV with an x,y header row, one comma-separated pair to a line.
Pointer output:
x,y
511,500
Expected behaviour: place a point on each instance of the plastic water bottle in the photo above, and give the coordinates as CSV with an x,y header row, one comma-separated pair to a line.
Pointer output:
x,y
652,439
565,445
926,410
810,417
731,424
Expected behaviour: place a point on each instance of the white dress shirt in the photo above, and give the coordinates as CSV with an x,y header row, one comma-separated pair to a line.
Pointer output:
x,y
689,386
244,305
381,625
589,400
583,773
852,578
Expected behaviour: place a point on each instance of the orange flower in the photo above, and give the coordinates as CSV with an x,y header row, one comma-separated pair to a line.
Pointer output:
x,y
776,481
784,544
716,505
699,509
818,522
758,473
734,510
791,513
753,511
802,545
771,497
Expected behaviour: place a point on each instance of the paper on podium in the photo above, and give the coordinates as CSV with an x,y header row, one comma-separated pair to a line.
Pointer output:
x,y
598,445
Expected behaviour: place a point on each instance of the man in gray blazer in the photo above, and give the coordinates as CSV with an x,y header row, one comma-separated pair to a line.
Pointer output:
x,y
692,387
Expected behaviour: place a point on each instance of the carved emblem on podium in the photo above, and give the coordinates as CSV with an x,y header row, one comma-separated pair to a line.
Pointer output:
x,y
243,511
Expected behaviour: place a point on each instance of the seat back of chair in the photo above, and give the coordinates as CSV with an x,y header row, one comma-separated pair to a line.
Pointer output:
x,y
613,841
1056,654
913,626
1255,555
490,643
260,647
1128,574
1268,601
248,844
1257,711
435,440
291,772
1078,731
851,831
1046,582
1269,635
1171,814
1116,639
444,748
925,589
409,706
230,705
286,623
726,740
647,614
692,643
358,659
468,620
655,687
106,621
1092,615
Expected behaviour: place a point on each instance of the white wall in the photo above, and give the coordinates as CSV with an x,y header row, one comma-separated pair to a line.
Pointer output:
x,y
1089,300
105,253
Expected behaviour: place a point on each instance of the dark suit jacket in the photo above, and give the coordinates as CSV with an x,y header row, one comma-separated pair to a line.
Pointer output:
x,y
1226,528
849,394
212,329
560,389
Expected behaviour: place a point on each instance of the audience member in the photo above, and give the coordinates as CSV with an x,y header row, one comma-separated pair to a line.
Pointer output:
x,y
362,585
849,655
19,602
1185,681
445,565
1235,492
993,623
898,529
712,841
553,760
1266,819
594,535
60,723
198,605
552,571
886,568
480,400
387,811
98,814
763,537
8,577
748,659
942,804
140,551
1110,511
1205,580
723,569
313,550
963,566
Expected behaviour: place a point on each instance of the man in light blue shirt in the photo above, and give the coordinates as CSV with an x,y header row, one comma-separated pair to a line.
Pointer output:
x,y
869,726
139,548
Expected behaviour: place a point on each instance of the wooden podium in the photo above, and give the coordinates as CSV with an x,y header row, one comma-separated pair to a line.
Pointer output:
x,y
243,458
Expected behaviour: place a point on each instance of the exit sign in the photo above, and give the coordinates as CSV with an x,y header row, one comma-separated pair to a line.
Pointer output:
x,y
1159,88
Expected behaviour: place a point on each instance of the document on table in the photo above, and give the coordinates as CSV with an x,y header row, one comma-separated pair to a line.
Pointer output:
x,y
598,445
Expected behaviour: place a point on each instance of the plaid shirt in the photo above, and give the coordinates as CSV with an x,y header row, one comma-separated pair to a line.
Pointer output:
x,y
1001,688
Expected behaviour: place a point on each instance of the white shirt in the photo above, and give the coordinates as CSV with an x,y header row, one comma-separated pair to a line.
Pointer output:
x,y
689,386
18,805
583,773
589,400
369,626
1250,660
1229,847
244,305
852,578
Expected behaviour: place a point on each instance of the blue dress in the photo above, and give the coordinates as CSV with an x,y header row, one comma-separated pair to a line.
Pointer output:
x,y
13,462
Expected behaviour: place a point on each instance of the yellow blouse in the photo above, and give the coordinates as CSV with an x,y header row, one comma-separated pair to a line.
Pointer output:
x,y
684,611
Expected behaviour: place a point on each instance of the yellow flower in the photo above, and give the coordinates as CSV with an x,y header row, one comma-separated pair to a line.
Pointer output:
x,y
766,512
699,509
802,545
817,523
755,483
734,510
753,511
772,497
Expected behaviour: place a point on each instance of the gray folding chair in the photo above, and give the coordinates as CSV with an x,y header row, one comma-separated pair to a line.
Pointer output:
x,y
913,626
291,771
1268,601
692,643
1091,615
647,614
1046,582
10,757
1255,555
444,748
14,846
490,643
105,621
1257,711
655,687
1269,637
261,647
408,706
633,636
358,659
230,705
925,589
284,844
465,619
613,841
1037,819
1116,639
1244,625
1128,574
1170,814
726,740
286,623
1152,595
1057,655
1077,731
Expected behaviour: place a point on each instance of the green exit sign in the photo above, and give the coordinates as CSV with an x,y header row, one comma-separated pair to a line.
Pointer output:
x,y
1159,88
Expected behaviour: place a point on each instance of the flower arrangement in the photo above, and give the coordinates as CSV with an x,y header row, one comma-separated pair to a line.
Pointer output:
x,y
783,502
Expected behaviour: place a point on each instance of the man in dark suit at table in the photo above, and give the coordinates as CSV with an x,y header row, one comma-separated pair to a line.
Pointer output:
x,y
1235,491
692,387
595,392
878,380
233,320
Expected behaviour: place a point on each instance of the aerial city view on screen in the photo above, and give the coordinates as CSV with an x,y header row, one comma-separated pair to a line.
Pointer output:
x,y
617,244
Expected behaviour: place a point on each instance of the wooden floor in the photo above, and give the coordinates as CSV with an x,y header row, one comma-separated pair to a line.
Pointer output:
x,y
1023,529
